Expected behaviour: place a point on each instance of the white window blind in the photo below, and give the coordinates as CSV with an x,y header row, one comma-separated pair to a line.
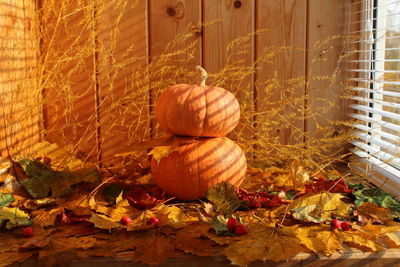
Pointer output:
x,y
374,74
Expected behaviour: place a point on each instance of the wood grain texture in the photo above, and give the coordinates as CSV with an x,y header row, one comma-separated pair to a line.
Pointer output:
x,y
285,38
228,41
19,105
123,106
326,27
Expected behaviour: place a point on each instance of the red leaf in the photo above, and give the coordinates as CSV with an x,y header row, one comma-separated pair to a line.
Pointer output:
x,y
333,186
260,199
68,217
142,199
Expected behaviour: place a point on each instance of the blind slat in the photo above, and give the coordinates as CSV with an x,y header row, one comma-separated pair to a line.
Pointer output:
x,y
367,119
380,92
376,101
365,108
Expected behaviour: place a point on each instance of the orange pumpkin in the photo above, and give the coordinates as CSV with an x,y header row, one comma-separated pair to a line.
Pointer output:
x,y
190,171
197,110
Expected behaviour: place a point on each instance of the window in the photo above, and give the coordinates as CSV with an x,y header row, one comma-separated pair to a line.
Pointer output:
x,y
374,73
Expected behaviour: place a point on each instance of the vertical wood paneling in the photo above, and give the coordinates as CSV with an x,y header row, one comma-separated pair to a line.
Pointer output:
x,y
121,50
170,18
67,74
326,28
286,26
230,20
19,105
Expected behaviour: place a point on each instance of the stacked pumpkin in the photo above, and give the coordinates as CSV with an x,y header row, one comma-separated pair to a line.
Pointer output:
x,y
206,112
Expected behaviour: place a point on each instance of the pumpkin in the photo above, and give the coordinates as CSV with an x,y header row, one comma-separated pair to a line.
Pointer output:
x,y
197,110
193,168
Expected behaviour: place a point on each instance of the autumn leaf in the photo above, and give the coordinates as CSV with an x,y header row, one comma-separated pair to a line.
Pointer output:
x,y
6,199
333,186
320,239
46,218
190,240
224,198
374,213
308,213
260,199
154,249
174,216
298,174
326,203
160,152
141,198
41,179
380,197
361,240
103,222
14,217
5,165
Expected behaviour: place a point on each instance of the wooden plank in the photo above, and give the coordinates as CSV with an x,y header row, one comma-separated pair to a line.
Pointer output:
x,y
122,52
19,105
175,45
67,74
326,27
281,70
228,47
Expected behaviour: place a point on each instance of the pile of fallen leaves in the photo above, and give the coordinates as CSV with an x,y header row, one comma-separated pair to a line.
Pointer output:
x,y
57,212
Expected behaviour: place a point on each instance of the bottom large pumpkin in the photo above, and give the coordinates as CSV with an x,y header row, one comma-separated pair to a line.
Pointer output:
x,y
190,171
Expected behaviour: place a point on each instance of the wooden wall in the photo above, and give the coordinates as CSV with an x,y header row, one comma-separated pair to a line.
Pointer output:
x,y
19,102
148,26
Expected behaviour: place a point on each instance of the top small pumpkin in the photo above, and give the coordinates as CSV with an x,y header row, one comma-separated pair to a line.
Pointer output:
x,y
197,110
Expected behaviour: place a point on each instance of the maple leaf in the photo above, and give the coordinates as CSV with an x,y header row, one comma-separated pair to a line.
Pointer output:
x,y
373,212
361,240
224,198
333,186
190,240
320,239
5,165
154,249
103,222
141,198
40,179
298,174
307,214
6,199
14,217
260,199
380,197
326,203
160,152
46,218
33,204
121,208
174,216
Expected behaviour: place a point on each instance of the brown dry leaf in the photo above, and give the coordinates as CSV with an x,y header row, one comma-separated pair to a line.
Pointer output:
x,y
327,204
361,240
160,152
174,216
390,240
78,203
35,243
140,221
10,257
375,212
46,218
190,240
154,249
320,239
5,164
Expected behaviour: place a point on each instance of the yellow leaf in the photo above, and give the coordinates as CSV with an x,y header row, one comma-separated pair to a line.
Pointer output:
x,y
174,216
390,240
160,152
298,175
320,239
326,203
245,249
374,211
361,240
103,222
284,244
115,213
5,164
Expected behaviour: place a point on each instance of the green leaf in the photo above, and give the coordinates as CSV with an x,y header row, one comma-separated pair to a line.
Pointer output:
x,y
380,197
111,193
14,217
220,225
5,199
224,198
42,180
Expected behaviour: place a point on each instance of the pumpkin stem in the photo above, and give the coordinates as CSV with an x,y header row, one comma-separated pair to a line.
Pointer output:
x,y
203,77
